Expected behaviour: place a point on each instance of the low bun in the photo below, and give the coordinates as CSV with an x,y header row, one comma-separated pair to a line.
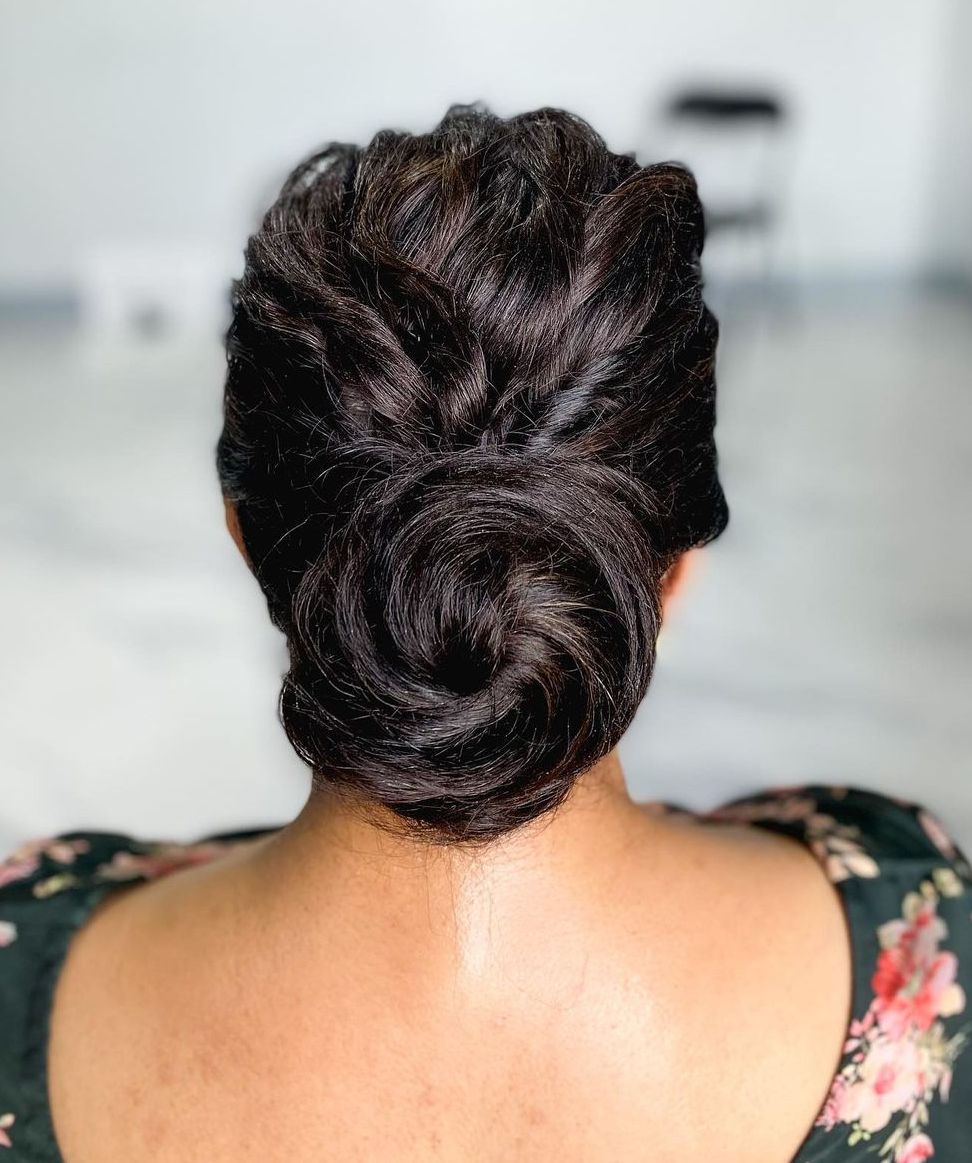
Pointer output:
x,y
468,425
482,631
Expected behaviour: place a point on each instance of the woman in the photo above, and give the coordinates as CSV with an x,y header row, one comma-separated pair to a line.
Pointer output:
x,y
467,453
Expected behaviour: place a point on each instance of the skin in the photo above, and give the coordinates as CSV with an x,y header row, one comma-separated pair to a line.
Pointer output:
x,y
608,983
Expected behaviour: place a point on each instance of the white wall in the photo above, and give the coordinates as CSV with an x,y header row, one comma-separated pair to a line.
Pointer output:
x,y
121,120
951,209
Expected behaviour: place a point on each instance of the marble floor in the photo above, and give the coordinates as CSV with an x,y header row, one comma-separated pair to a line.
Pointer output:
x,y
827,637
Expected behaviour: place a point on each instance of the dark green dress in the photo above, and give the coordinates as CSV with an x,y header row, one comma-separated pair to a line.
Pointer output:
x,y
903,1090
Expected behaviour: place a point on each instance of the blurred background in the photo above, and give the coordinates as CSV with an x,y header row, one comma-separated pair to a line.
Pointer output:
x,y
827,637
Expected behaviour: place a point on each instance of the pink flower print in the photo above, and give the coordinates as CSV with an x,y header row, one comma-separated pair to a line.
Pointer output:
x,y
918,1148
787,809
779,789
935,832
899,1053
17,868
8,933
858,1033
162,859
833,1109
64,851
6,1122
913,982
841,855
888,1080
935,994
25,860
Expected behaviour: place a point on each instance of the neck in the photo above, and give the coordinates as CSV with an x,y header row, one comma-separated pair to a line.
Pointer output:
x,y
331,830
467,899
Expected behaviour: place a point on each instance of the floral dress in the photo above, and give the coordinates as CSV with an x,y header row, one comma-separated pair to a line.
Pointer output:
x,y
902,1092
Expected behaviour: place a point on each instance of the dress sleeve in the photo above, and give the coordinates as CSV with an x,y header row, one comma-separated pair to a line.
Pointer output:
x,y
905,1088
47,888
895,828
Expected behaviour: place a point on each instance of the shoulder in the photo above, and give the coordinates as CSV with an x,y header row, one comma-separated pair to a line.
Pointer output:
x,y
49,888
47,882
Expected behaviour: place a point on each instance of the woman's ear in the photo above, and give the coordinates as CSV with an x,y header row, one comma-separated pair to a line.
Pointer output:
x,y
676,577
233,525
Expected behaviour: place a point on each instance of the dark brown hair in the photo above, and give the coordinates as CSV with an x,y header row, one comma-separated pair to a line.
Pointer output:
x,y
468,425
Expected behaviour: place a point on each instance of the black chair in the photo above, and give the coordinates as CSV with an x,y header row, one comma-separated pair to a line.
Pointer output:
x,y
736,140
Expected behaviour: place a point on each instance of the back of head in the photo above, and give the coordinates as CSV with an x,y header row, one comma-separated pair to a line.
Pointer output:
x,y
469,420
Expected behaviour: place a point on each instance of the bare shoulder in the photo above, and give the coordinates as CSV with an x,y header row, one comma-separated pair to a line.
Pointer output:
x,y
761,990
115,1009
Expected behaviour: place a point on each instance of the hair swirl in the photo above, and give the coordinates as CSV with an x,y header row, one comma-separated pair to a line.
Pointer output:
x,y
468,425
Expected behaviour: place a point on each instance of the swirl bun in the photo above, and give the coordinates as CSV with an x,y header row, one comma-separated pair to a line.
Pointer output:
x,y
468,424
